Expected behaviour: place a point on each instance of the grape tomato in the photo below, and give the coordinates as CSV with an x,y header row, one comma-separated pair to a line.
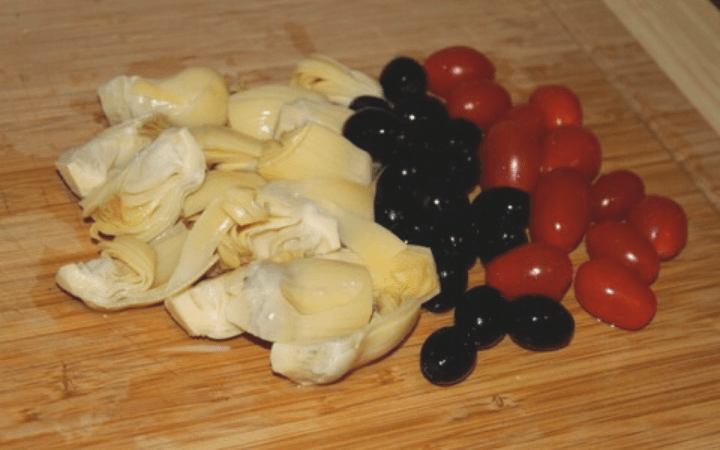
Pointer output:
x,y
509,156
559,104
571,146
622,242
448,68
614,294
663,221
614,193
560,208
533,268
483,102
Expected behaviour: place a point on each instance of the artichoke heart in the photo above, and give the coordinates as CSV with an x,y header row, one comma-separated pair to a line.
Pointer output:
x,y
89,165
146,196
255,111
193,97
315,151
336,81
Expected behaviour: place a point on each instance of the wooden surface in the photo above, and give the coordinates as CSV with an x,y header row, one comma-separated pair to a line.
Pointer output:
x,y
73,378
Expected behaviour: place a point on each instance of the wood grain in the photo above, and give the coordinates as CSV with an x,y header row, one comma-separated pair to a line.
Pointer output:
x,y
74,378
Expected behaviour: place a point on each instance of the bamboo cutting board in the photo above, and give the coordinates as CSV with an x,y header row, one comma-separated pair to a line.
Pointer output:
x,y
75,378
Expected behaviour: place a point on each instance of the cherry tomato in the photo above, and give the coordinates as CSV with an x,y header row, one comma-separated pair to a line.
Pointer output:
x,y
560,208
620,241
614,193
509,156
663,222
532,268
448,68
560,105
611,292
480,101
529,114
571,146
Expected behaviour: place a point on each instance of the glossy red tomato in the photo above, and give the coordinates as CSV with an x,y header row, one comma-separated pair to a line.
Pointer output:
x,y
611,292
530,115
559,104
448,68
614,193
509,156
571,146
482,102
532,268
663,222
560,208
622,242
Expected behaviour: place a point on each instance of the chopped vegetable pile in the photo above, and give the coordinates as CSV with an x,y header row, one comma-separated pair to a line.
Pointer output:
x,y
321,214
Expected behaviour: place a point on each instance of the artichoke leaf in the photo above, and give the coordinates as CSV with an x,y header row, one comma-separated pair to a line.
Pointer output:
x,y
195,96
336,81
146,196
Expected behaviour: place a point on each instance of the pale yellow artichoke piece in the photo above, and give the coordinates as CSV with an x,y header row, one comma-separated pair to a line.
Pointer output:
x,y
87,166
125,268
328,360
298,113
277,303
406,272
354,197
193,97
216,182
295,227
200,310
336,81
227,149
254,112
315,151
146,196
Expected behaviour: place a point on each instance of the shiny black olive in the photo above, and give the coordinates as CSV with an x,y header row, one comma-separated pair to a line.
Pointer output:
x,y
454,239
403,77
483,314
453,277
505,205
446,357
539,323
422,112
492,239
374,130
368,101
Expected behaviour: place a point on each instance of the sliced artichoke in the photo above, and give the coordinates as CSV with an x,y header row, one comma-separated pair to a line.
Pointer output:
x,y
193,97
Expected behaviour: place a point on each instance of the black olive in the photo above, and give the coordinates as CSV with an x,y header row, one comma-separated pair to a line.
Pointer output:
x,y
403,77
368,101
483,314
454,239
492,240
374,130
422,112
539,323
453,277
505,205
447,357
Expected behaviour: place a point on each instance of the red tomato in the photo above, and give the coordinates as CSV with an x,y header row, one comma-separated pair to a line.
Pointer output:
x,y
480,101
611,292
560,208
446,69
532,268
509,156
614,193
663,222
530,115
571,146
622,242
560,105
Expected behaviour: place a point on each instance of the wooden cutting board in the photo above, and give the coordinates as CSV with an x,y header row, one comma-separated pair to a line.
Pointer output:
x,y
75,378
